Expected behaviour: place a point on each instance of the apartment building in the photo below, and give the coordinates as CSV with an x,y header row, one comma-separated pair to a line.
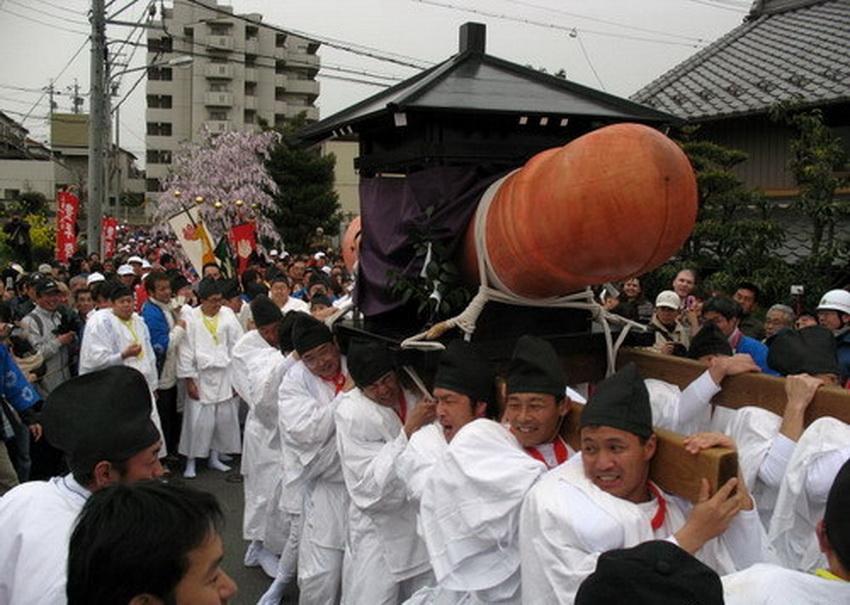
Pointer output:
x,y
243,73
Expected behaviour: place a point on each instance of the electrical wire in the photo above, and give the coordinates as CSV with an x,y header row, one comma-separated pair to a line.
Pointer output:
x,y
59,75
606,21
51,15
546,25
40,22
720,6
331,42
78,12
589,62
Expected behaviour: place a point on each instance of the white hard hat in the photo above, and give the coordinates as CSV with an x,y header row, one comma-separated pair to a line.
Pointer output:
x,y
835,300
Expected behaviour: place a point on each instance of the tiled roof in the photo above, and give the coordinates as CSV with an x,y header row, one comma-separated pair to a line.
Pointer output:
x,y
786,51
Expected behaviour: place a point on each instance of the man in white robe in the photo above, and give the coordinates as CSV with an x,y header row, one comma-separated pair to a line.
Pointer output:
x,y
118,336
258,368
309,394
464,389
773,585
105,443
280,292
819,454
603,499
211,416
387,561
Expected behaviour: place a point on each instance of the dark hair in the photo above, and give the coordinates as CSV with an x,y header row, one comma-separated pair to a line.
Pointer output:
x,y
249,276
210,264
152,278
748,285
81,291
135,539
726,307
84,473
165,257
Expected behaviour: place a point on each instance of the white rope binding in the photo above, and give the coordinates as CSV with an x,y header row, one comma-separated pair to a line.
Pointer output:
x,y
467,319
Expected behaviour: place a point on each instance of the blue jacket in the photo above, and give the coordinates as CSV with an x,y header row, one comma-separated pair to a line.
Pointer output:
x,y
842,352
15,388
157,324
758,351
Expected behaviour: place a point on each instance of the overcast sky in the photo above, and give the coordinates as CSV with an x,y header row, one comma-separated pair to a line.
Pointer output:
x,y
616,45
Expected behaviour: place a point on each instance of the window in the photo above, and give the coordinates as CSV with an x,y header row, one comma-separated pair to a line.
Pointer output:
x,y
11,194
218,87
218,59
160,73
280,67
220,29
160,45
279,94
250,89
251,32
249,116
159,129
280,41
159,101
250,61
158,156
218,114
151,185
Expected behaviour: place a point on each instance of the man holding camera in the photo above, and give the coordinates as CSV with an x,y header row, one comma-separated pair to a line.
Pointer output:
x,y
50,334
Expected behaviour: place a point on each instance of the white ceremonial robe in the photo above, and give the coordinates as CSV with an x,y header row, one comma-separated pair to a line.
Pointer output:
x,y
105,337
773,585
388,561
306,405
211,422
567,522
295,304
36,520
791,535
416,461
258,369
470,512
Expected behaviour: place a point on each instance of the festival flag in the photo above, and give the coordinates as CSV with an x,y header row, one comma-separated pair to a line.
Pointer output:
x,y
108,236
193,237
243,239
225,256
67,209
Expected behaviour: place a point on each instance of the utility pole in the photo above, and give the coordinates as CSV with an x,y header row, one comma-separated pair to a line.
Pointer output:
x,y
76,99
97,126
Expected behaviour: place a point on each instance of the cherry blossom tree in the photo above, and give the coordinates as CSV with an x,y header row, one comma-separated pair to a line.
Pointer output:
x,y
225,176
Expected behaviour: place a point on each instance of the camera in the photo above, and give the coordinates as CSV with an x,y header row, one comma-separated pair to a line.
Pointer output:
x,y
797,290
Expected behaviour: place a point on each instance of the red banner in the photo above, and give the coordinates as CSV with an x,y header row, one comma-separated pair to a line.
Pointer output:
x,y
243,240
67,209
108,236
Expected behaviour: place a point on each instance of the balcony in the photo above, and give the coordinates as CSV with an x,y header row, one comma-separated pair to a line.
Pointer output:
x,y
219,42
250,74
218,70
303,60
303,87
252,47
218,99
217,125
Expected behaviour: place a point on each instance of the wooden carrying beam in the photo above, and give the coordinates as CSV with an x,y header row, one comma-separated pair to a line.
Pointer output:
x,y
758,390
674,469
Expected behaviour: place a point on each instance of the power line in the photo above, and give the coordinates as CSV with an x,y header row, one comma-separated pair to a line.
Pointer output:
x,y
720,6
21,88
606,21
589,62
18,101
40,22
51,15
77,12
546,25
331,42
62,71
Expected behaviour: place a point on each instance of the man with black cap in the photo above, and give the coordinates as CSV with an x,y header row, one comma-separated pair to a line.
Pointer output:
x,y
211,416
308,396
280,291
45,330
258,368
536,401
104,443
773,585
464,389
603,499
374,420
